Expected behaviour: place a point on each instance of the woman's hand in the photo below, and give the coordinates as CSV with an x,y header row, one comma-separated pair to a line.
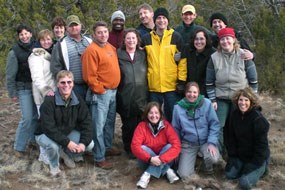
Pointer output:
x,y
213,150
155,161
215,105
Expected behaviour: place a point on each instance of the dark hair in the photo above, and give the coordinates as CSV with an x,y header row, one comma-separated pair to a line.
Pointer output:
x,y
129,31
148,108
99,23
22,27
246,92
208,39
190,84
58,21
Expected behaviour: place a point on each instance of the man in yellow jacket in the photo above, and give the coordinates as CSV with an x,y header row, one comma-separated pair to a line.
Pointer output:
x,y
166,76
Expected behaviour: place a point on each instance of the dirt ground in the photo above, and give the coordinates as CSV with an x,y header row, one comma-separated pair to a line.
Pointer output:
x,y
30,174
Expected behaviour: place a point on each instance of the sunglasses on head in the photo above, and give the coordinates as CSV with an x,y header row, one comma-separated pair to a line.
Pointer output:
x,y
65,82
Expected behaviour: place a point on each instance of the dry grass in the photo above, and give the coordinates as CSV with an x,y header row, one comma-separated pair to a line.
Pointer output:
x,y
30,174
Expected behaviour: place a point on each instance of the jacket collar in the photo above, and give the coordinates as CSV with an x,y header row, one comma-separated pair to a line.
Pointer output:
x,y
60,102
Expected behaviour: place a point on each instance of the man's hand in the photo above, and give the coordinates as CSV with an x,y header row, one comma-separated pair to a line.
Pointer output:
x,y
72,147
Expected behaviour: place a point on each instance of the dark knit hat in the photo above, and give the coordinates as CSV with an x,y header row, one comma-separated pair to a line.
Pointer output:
x,y
160,11
226,32
218,16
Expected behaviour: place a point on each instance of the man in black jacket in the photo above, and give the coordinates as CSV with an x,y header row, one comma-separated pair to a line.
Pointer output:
x,y
65,125
218,21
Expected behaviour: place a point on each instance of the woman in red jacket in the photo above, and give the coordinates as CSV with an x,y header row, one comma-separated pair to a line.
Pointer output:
x,y
155,144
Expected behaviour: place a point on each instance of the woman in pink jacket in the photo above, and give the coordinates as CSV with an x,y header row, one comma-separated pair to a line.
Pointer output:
x,y
155,144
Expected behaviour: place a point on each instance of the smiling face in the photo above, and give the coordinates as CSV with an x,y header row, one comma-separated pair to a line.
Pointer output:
x,y
59,31
46,42
161,23
227,43
118,24
65,85
243,104
200,42
192,93
101,35
217,25
146,16
188,17
131,41
154,115
25,36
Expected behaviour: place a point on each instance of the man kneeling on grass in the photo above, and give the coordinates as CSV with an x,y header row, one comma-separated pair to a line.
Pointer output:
x,y
65,125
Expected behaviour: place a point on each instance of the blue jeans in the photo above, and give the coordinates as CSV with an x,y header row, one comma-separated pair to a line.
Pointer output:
x,y
155,171
224,110
103,112
188,155
168,99
52,148
28,122
237,169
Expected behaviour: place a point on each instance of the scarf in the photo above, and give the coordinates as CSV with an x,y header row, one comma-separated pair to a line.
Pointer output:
x,y
190,106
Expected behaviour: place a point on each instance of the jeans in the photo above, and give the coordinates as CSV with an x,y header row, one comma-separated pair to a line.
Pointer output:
x,y
168,99
188,155
28,122
224,110
236,169
155,171
103,112
52,148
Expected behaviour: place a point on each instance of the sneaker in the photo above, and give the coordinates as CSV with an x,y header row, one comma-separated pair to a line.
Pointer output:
x,y
144,180
113,152
54,171
20,154
104,164
66,159
171,176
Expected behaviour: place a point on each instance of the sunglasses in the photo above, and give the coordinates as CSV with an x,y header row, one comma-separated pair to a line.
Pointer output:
x,y
65,82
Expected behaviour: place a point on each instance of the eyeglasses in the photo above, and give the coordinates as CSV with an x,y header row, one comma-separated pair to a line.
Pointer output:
x,y
65,82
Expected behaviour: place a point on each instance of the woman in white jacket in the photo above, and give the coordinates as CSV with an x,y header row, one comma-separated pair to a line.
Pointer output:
x,y
43,82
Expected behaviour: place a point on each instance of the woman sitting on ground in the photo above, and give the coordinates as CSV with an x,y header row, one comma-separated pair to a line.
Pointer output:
x,y
197,125
247,147
156,145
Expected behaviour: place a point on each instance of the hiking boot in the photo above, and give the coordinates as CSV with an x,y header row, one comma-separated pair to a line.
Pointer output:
x,y
208,170
144,180
104,165
112,152
20,154
66,159
54,171
78,158
171,176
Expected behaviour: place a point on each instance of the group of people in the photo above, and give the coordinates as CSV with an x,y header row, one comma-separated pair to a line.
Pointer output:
x,y
70,87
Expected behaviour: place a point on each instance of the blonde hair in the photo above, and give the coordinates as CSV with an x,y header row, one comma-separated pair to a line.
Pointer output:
x,y
44,33
64,73
236,45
